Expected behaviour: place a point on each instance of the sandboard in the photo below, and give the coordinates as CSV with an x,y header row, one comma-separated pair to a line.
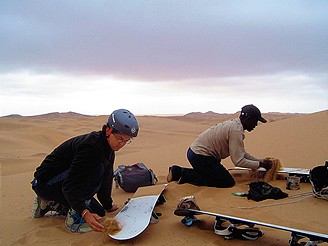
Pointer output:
x,y
296,234
135,216
288,170
303,173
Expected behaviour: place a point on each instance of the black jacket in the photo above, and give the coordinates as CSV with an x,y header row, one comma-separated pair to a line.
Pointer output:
x,y
80,155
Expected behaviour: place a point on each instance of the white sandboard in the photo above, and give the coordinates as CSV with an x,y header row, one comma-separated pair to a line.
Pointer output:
x,y
295,170
288,170
136,214
296,234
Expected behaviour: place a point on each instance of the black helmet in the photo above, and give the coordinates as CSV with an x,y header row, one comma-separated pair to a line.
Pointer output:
x,y
124,121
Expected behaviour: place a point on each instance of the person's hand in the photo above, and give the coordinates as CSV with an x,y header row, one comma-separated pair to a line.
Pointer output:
x,y
93,221
267,164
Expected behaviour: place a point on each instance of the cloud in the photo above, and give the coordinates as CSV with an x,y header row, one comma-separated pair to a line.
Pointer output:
x,y
163,56
156,40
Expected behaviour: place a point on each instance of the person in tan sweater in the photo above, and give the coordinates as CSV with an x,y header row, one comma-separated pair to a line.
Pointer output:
x,y
218,142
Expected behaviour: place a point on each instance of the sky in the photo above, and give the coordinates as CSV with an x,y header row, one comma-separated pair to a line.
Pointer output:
x,y
163,57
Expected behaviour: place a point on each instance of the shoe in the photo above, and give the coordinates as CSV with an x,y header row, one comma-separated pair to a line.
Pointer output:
x,y
75,223
40,207
174,173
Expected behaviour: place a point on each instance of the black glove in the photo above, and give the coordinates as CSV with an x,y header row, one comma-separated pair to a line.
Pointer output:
x,y
267,164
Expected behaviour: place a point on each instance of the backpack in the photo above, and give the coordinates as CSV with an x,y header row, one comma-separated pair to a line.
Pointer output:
x,y
319,181
130,178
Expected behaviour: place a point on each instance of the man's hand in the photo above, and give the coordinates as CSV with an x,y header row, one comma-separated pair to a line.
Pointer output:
x,y
267,164
92,220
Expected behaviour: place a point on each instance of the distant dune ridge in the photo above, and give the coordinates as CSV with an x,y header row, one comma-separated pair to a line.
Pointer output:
x,y
192,115
50,115
297,140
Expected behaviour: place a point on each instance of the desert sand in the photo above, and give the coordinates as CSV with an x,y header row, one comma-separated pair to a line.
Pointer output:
x,y
298,141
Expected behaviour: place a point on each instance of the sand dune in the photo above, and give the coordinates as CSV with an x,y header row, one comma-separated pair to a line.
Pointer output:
x,y
297,140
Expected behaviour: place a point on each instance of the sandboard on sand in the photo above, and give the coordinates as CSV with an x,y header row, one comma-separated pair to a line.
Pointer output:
x,y
303,173
288,170
250,232
136,214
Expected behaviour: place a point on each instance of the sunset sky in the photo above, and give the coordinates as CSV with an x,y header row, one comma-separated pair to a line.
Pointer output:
x,y
163,57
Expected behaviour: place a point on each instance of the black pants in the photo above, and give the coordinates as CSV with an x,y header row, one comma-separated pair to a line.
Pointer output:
x,y
206,171
52,190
